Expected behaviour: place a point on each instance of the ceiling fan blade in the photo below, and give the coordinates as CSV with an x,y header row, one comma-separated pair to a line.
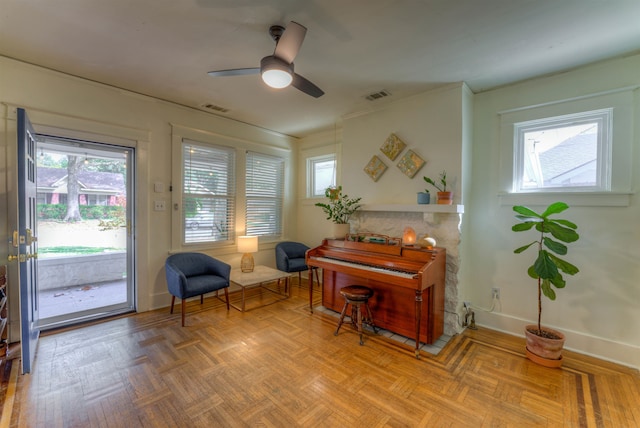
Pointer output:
x,y
306,86
235,72
290,42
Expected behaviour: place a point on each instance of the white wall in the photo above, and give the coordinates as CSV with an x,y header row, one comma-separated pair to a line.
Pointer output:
x,y
312,223
57,100
430,124
599,310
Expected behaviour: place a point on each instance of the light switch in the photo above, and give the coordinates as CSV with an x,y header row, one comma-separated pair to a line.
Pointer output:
x,y
158,205
158,187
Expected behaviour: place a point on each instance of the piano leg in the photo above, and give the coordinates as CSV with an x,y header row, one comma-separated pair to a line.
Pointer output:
x,y
418,321
311,288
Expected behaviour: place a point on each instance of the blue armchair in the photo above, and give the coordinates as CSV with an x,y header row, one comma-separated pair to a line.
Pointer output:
x,y
290,257
193,274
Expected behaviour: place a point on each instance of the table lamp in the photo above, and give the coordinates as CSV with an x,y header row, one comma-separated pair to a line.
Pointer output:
x,y
247,245
409,236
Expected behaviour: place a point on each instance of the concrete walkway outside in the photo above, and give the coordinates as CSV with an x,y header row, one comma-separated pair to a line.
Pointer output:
x,y
78,298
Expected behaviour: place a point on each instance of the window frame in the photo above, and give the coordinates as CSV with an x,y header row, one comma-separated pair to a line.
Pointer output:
x,y
604,119
253,193
280,146
229,197
312,176
623,102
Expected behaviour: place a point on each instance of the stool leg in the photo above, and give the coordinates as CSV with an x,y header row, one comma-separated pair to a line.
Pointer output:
x,y
359,322
370,320
344,311
354,316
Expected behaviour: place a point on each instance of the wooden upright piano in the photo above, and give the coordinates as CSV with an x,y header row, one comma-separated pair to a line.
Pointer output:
x,y
408,283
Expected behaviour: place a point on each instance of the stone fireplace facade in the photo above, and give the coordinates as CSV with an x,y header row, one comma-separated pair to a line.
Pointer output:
x,y
439,222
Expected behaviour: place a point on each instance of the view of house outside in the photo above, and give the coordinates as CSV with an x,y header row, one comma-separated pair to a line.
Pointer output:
x,y
82,234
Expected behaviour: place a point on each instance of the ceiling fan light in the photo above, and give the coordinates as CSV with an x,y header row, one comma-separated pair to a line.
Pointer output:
x,y
277,78
276,73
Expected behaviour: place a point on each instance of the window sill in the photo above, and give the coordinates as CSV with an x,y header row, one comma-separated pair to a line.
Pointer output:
x,y
576,199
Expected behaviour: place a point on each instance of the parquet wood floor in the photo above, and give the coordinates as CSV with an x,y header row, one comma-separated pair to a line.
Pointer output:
x,y
279,366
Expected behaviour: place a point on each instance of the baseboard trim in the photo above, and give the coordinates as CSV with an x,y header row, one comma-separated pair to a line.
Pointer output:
x,y
605,349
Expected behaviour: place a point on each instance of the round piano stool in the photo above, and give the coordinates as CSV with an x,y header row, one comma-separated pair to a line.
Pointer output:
x,y
357,296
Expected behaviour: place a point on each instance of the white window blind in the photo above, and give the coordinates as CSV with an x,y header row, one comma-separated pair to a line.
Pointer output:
x,y
208,190
264,194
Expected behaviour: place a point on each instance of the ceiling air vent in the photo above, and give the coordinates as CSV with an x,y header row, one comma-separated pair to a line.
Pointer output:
x,y
377,95
214,107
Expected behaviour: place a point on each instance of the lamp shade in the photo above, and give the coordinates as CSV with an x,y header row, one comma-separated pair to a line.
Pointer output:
x,y
275,72
247,244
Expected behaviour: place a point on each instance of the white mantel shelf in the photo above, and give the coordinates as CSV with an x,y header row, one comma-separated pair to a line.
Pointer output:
x,y
421,208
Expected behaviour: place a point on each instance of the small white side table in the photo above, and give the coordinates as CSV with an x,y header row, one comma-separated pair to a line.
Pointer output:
x,y
260,276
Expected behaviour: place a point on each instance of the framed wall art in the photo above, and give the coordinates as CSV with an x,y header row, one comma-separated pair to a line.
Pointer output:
x,y
392,147
410,163
375,168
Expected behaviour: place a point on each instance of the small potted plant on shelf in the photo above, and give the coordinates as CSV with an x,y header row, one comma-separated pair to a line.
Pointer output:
x,y
544,345
339,209
424,197
445,197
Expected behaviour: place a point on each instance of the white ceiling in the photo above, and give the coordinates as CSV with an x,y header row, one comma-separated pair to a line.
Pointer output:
x,y
164,48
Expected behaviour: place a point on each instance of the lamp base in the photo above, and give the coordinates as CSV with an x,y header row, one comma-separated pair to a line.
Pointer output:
x,y
246,263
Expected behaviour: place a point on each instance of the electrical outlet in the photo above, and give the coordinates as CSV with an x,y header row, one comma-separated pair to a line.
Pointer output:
x,y
495,293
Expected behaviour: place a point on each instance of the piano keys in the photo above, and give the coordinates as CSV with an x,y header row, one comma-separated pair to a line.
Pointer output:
x,y
408,283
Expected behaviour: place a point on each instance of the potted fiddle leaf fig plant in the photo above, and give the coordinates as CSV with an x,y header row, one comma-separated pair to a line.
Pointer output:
x,y
339,209
445,197
544,345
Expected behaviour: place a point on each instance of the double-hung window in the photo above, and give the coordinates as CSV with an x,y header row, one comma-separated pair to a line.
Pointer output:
x,y
208,185
264,195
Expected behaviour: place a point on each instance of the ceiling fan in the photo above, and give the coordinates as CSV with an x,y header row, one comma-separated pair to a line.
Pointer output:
x,y
277,69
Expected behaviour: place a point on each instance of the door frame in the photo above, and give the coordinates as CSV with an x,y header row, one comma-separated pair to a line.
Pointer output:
x,y
98,149
48,122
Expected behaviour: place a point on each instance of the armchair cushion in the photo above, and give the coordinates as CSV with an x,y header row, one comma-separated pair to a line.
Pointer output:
x,y
193,274
290,256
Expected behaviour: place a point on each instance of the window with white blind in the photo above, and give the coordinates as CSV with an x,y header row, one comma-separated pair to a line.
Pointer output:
x,y
208,186
264,195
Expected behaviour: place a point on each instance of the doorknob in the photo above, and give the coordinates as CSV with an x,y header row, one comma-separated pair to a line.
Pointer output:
x,y
20,257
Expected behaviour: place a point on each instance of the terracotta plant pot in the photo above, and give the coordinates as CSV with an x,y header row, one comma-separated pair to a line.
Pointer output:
x,y
445,198
544,350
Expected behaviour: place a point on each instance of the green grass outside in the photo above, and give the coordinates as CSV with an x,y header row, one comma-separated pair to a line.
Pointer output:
x,y
74,251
